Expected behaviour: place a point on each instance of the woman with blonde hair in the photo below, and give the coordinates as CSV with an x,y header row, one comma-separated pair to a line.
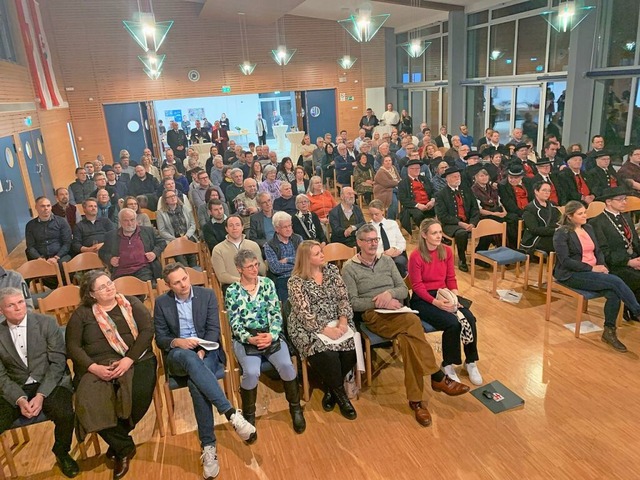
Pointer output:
x,y
149,167
321,200
320,308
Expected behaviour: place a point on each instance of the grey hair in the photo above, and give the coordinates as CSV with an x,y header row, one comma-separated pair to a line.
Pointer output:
x,y
242,256
126,210
262,195
279,217
300,198
269,169
235,170
363,230
10,292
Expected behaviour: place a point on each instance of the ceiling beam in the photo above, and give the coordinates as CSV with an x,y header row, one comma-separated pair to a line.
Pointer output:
x,y
445,7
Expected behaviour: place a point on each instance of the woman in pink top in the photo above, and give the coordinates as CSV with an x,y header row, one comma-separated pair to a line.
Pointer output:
x,y
580,265
321,200
431,268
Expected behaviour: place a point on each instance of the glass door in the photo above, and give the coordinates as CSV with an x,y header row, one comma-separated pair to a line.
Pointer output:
x,y
527,111
500,102
417,107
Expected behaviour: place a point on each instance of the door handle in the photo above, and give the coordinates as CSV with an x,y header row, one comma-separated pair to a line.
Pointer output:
x,y
9,185
38,168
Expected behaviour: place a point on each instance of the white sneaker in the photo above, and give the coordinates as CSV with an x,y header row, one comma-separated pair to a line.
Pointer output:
x,y
474,373
210,462
244,429
450,372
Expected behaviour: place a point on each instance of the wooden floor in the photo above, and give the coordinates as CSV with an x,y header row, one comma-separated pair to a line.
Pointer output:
x,y
579,420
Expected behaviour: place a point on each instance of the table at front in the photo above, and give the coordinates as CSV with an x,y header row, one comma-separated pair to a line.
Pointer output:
x,y
296,144
202,149
236,135
381,129
279,132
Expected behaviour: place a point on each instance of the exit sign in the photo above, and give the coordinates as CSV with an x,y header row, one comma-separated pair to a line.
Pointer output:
x,y
226,89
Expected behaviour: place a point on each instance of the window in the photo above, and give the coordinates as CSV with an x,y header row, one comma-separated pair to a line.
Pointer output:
x,y
558,51
476,111
7,51
532,45
518,8
403,65
445,57
477,53
417,69
432,59
477,18
501,49
623,31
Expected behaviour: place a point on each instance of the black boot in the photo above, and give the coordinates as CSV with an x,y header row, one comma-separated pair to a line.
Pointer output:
x,y
328,401
346,409
609,336
248,398
292,392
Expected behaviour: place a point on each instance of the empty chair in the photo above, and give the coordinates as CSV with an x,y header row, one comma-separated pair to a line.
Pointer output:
x,y
81,263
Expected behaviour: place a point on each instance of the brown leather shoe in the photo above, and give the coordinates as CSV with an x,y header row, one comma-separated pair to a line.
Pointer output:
x,y
423,417
450,387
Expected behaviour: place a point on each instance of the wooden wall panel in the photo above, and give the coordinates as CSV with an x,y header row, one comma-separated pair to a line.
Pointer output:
x,y
99,60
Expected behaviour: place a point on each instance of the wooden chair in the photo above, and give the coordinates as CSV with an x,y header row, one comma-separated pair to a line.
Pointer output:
x,y
304,365
201,279
594,209
500,256
224,374
62,302
582,297
560,209
151,214
133,286
338,252
633,204
34,271
81,263
181,246
541,255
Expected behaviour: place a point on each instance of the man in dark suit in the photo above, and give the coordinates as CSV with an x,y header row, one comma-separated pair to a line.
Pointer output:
x,y
33,373
571,183
618,239
132,249
545,174
368,123
514,197
177,140
219,136
416,195
346,218
521,158
603,175
182,317
457,209
199,134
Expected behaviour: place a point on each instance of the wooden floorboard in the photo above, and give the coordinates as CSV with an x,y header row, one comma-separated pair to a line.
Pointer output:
x,y
579,420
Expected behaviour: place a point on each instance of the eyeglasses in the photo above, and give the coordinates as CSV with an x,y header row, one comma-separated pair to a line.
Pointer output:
x,y
101,288
371,240
251,265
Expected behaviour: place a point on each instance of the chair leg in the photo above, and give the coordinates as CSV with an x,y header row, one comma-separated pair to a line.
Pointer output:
x,y
473,269
157,404
494,287
526,274
368,360
620,314
579,311
93,440
306,389
8,454
168,397
15,438
547,307
540,270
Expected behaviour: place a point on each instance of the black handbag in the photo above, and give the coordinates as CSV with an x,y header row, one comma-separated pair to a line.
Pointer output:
x,y
253,350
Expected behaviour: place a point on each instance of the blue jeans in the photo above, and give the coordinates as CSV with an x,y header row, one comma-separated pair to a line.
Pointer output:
x,y
392,211
203,386
609,285
250,364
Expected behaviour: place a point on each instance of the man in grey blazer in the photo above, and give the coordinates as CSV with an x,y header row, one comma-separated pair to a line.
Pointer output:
x,y
33,373
181,317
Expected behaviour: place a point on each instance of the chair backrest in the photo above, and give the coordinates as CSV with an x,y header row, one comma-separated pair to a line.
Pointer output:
x,y
180,246
81,263
486,226
34,271
560,209
80,209
150,214
338,252
201,279
594,209
129,285
633,204
520,231
407,282
62,302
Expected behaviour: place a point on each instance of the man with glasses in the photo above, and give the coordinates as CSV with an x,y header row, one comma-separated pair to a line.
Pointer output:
x,y
280,252
133,250
374,283
618,239
198,191
246,203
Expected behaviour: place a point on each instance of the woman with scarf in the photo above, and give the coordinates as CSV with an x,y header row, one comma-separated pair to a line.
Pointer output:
x,y
109,342
285,171
363,176
487,197
306,223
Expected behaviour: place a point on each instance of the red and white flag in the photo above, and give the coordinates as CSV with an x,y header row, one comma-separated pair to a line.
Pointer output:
x,y
38,54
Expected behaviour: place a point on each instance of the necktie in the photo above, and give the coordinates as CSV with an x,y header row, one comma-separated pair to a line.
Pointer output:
x,y
385,239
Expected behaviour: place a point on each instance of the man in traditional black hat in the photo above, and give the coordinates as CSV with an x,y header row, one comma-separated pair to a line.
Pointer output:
x,y
416,195
571,183
521,158
515,197
545,165
603,175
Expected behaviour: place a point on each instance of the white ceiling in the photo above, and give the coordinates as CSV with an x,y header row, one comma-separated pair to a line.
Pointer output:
x,y
266,12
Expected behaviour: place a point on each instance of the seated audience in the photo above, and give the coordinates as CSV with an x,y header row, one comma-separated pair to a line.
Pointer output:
x,y
224,252
175,221
392,243
64,209
415,194
515,197
571,183
216,173
306,223
437,180
521,159
170,160
430,269
346,218
256,325
48,236
198,193
603,176
286,202
246,203
260,224
300,185
145,184
580,264
373,283
546,175
81,188
328,164
363,176
181,316
385,185
320,304
147,162
285,171
89,233
35,381
487,196
119,187
100,179
280,252
109,342
256,172
106,209
540,220
213,231
142,218
321,200
13,279
133,250
629,173
235,188
270,184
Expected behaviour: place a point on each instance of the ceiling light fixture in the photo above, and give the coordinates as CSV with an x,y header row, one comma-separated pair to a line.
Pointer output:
x,y
363,26
415,47
282,56
148,33
246,67
567,15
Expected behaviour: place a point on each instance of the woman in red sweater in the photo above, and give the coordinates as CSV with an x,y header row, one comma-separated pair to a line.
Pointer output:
x,y
431,268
